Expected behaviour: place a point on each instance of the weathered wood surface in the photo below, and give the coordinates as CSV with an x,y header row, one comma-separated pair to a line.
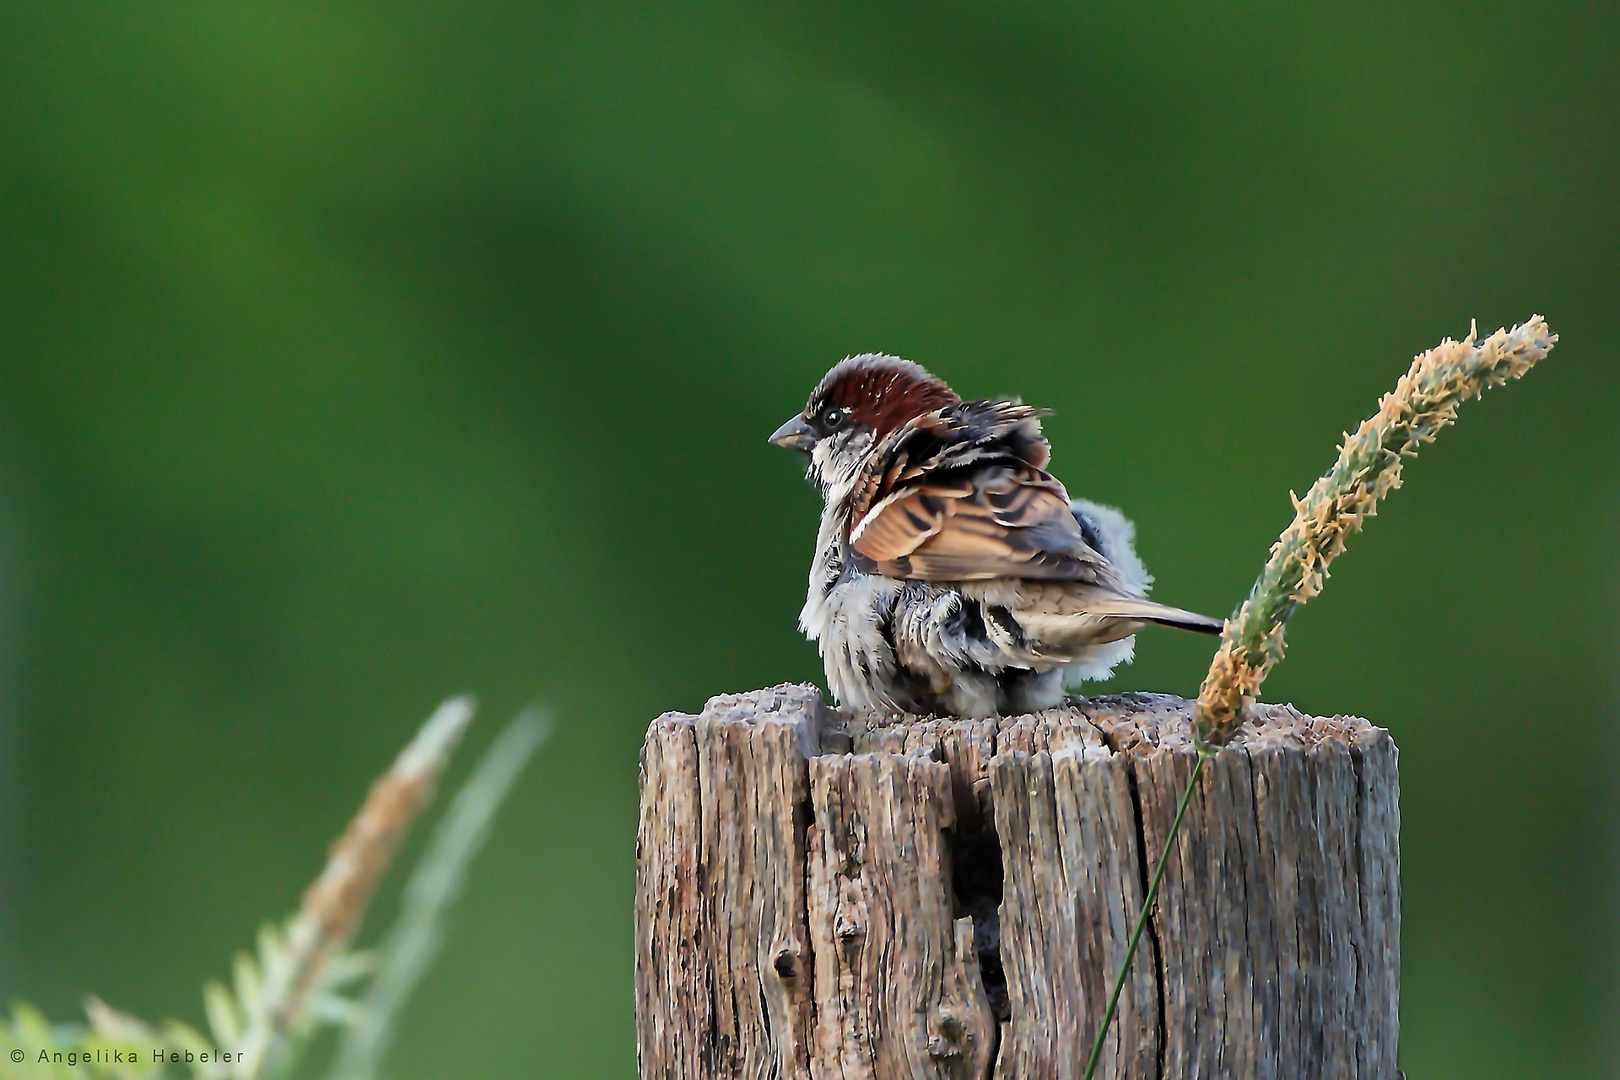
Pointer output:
x,y
843,898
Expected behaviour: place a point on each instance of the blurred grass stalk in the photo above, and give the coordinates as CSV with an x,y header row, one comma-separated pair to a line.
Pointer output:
x,y
283,994
418,934
334,904
1424,401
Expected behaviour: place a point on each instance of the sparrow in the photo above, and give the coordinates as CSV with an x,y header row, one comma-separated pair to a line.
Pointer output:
x,y
953,575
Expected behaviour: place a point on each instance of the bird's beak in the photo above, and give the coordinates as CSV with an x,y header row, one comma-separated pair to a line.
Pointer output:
x,y
795,435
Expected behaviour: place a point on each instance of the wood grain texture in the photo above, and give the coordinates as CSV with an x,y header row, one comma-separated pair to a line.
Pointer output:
x,y
847,898
898,989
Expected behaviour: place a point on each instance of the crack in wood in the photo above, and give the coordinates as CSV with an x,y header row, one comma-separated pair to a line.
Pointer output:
x,y
1151,931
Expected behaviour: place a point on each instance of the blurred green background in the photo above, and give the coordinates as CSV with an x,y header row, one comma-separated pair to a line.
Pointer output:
x,y
356,355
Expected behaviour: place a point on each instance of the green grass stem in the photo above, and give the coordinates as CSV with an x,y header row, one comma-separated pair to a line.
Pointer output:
x,y
1142,916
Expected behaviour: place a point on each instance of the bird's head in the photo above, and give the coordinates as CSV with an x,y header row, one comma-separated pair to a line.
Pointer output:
x,y
856,405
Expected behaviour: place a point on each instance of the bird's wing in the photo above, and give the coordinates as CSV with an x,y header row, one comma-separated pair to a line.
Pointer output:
x,y
1006,519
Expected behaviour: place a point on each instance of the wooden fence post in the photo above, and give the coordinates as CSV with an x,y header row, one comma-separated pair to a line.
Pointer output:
x,y
830,897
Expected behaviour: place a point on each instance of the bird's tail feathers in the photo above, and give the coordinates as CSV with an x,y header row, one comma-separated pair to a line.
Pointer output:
x,y
1125,607
1104,619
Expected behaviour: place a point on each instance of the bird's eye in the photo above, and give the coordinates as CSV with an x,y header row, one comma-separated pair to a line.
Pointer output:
x,y
834,417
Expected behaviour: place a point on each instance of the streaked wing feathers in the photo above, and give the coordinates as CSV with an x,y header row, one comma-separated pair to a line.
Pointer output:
x,y
1001,521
